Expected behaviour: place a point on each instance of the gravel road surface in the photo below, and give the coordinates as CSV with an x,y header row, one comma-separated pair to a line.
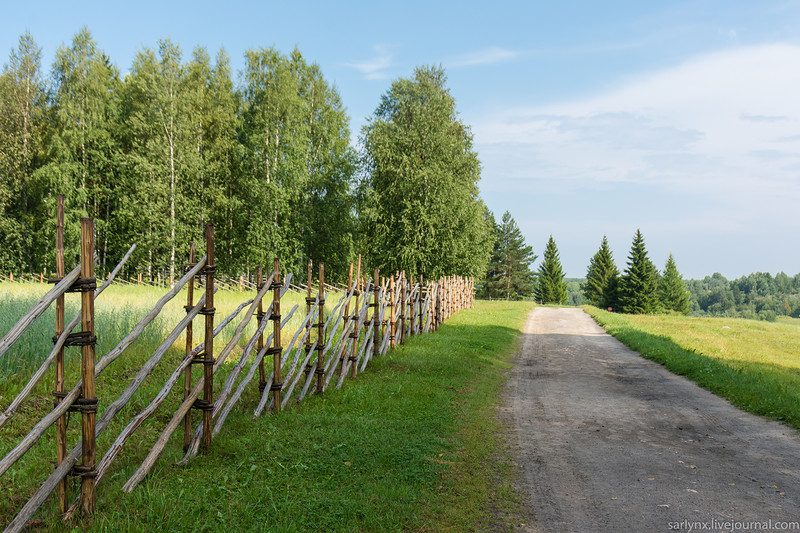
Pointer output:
x,y
609,441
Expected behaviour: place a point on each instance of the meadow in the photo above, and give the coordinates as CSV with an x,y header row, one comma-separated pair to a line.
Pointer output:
x,y
413,443
754,364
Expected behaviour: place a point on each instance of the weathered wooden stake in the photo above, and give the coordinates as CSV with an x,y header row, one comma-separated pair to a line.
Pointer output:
x,y
354,332
376,329
347,316
187,374
420,312
61,425
385,320
392,322
320,371
403,308
309,303
207,405
88,401
262,371
277,349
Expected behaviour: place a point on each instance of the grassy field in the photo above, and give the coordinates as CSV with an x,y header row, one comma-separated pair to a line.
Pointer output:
x,y
411,444
118,309
754,364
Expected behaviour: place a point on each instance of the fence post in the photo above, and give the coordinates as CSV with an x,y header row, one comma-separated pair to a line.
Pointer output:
x,y
207,405
354,332
262,372
412,303
392,322
309,325
376,325
87,403
187,374
277,349
403,307
262,378
420,312
346,316
320,372
440,302
59,393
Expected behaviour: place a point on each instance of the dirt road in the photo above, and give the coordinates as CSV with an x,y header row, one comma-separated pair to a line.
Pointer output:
x,y
608,441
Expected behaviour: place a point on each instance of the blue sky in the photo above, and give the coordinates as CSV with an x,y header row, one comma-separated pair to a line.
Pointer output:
x,y
678,118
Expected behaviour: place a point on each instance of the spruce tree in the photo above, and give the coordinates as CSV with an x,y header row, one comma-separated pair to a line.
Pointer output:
x,y
602,278
672,291
551,287
638,291
509,275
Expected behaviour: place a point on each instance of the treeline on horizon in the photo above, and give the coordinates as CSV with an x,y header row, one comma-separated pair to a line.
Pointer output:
x,y
756,296
176,144
640,288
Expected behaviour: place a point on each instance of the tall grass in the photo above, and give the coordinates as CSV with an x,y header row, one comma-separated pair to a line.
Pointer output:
x,y
117,310
754,364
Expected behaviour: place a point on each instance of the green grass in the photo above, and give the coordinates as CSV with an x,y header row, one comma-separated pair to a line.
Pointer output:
x,y
413,443
754,364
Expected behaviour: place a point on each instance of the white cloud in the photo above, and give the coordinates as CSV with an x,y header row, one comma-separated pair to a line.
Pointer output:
x,y
724,123
376,67
487,56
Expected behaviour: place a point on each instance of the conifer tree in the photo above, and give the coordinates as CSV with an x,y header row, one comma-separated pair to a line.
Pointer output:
x,y
509,275
672,291
551,287
602,278
638,291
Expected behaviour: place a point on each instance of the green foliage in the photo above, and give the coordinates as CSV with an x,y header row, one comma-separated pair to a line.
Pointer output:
x,y
419,209
638,288
672,291
154,157
756,296
509,275
22,109
575,291
80,144
175,145
551,287
297,166
602,278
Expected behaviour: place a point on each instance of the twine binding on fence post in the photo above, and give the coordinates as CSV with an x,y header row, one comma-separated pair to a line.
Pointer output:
x,y
87,401
187,379
207,404
376,332
310,325
276,349
60,392
320,371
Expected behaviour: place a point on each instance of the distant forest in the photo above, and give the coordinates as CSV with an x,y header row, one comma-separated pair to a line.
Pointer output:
x,y
759,296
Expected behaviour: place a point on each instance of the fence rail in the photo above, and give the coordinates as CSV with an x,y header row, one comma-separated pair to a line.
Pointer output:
x,y
369,316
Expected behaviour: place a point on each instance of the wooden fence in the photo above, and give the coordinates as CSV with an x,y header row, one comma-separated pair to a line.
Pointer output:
x,y
370,316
